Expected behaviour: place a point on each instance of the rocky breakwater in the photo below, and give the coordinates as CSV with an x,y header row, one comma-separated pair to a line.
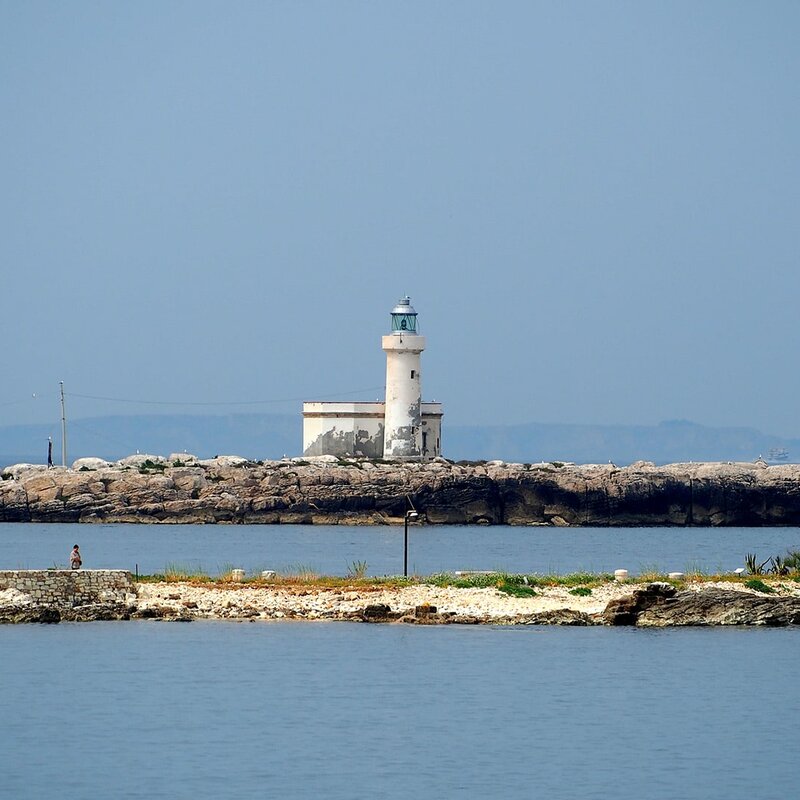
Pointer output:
x,y
327,490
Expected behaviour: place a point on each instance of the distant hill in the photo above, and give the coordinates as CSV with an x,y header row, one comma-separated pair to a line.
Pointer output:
x,y
256,436
269,436
666,443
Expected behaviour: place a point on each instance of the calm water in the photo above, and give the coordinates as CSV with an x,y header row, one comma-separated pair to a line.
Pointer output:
x,y
332,549
341,711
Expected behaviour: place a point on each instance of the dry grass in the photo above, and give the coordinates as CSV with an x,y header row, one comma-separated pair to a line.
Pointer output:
x,y
303,578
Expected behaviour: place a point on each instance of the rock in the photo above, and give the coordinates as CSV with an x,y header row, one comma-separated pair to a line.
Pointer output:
x,y
223,461
626,610
16,471
95,612
139,459
722,607
182,458
230,489
16,615
378,612
560,616
86,464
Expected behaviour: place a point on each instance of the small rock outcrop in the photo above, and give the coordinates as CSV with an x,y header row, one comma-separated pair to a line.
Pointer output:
x,y
722,607
657,606
627,610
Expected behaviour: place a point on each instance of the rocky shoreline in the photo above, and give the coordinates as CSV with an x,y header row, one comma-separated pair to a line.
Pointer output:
x,y
327,490
613,604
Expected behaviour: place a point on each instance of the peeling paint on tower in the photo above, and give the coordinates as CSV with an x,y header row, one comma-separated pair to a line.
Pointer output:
x,y
402,427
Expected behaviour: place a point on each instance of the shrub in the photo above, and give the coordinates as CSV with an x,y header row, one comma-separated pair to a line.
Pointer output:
x,y
515,589
581,591
753,565
150,466
759,586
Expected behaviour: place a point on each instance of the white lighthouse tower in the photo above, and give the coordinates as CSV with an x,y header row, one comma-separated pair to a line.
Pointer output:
x,y
402,434
403,428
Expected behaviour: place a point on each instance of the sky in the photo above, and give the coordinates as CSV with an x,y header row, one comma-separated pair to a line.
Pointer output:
x,y
210,207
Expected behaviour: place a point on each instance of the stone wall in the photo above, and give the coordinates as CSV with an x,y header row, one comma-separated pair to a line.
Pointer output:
x,y
67,588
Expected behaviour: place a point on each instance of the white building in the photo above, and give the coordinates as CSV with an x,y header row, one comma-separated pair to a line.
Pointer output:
x,y
402,428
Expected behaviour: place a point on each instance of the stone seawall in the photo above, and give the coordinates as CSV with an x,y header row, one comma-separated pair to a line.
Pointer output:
x,y
326,490
61,588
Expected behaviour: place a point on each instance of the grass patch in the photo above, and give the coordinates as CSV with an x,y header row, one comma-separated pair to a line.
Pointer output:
x,y
148,466
649,573
358,569
492,579
301,576
516,589
759,586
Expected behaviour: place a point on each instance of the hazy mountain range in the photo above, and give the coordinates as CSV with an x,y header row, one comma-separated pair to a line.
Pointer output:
x,y
269,436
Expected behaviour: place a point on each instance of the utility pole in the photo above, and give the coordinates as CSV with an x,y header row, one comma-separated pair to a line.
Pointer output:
x,y
63,428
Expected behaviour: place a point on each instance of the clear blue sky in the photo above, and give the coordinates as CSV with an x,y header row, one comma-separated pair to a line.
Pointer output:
x,y
594,206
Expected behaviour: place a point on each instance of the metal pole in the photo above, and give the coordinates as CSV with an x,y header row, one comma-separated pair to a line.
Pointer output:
x,y
63,428
405,546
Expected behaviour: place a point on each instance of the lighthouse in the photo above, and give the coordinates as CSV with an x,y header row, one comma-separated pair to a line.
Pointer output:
x,y
402,428
402,433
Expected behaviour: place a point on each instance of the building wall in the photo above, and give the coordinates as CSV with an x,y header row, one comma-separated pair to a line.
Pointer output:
x,y
356,429
431,439
343,429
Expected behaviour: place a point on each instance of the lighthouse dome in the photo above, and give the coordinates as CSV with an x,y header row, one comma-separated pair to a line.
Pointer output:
x,y
404,318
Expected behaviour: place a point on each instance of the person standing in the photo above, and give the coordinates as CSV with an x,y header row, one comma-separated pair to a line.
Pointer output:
x,y
75,560
49,451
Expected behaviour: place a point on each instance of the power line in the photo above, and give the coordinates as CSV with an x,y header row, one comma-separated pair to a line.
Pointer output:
x,y
34,396
221,403
99,435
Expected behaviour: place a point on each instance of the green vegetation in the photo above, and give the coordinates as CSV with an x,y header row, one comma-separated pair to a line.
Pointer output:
x,y
778,565
579,584
759,586
481,580
516,589
149,466
358,569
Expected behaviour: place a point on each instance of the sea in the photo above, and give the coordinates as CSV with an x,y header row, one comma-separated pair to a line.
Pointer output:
x,y
148,709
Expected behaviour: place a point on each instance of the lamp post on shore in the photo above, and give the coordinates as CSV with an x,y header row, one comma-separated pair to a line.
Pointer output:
x,y
409,515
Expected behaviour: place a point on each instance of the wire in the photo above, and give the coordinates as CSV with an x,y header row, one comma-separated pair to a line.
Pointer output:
x,y
34,396
222,403
99,435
